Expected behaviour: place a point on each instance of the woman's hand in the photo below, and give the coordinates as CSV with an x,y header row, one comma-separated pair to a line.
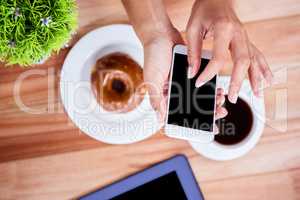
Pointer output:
x,y
157,63
221,111
217,18
158,36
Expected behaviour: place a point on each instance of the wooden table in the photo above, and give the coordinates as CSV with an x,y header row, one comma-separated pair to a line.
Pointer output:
x,y
44,156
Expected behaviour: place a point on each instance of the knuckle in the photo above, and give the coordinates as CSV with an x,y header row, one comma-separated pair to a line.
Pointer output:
x,y
239,26
231,26
243,61
239,30
258,78
265,72
218,60
235,84
255,76
226,23
191,31
192,54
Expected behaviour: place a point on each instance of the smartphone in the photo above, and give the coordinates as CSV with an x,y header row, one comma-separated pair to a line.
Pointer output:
x,y
191,110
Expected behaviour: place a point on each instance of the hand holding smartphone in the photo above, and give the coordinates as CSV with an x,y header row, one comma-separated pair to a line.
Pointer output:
x,y
190,110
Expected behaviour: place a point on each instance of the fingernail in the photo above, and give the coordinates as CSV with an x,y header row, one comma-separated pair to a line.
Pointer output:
x,y
216,130
199,83
223,101
224,112
233,98
190,72
222,91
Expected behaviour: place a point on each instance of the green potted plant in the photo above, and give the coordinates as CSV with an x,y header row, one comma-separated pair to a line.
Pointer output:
x,y
30,30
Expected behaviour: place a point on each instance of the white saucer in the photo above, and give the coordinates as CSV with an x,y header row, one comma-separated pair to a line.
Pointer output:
x,y
216,151
79,100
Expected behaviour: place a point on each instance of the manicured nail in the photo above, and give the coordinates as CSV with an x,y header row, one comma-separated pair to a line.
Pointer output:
x,y
221,91
199,83
216,130
233,98
223,101
190,72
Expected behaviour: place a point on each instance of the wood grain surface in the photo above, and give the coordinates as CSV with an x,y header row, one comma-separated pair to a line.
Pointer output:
x,y
44,156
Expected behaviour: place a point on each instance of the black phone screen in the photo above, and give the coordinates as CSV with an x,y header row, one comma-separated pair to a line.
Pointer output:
x,y
189,106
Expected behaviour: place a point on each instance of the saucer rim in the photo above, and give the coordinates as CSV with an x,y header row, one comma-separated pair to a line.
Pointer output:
x,y
82,50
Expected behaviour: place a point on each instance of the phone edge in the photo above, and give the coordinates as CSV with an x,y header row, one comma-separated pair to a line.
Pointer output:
x,y
182,49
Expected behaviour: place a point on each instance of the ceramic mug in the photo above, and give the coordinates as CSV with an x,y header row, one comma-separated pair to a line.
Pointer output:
x,y
218,151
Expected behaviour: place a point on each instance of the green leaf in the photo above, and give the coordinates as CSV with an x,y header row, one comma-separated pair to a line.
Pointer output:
x,y
33,39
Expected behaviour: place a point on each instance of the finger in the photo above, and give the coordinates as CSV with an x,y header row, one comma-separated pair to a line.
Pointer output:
x,y
162,111
222,38
158,103
255,77
216,129
241,58
220,91
155,96
163,103
220,99
194,44
264,68
221,112
155,85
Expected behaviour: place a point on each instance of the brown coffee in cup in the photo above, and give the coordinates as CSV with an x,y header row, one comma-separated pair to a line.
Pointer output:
x,y
236,126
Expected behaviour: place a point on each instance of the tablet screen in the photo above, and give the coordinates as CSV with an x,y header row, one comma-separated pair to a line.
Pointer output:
x,y
164,187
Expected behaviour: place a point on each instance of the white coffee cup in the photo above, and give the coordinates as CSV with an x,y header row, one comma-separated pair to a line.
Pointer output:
x,y
217,151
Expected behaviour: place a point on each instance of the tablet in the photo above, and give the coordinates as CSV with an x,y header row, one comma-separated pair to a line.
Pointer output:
x,y
170,179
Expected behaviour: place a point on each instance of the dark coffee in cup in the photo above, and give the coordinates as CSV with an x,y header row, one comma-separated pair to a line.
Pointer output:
x,y
236,126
